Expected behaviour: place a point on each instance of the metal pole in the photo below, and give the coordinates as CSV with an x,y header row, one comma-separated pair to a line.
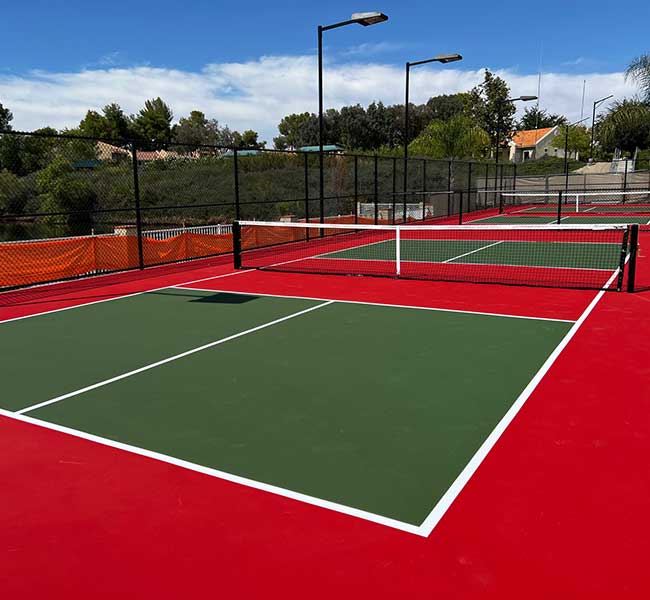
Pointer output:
x,y
236,177
449,188
393,206
559,207
424,187
566,159
321,175
356,189
633,245
496,157
625,178
306,156
376,190
593,130
406,135
136,197
469,186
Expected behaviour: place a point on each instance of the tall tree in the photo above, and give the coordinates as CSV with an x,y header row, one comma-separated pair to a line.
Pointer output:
x,y
196,129
459,137
5,118
488,107
579,140
248,139
537,118
291,131
154,122
626,125
639,72
446,106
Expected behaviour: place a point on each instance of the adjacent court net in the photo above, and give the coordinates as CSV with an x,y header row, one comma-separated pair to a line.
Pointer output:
x,y
580,256
605,203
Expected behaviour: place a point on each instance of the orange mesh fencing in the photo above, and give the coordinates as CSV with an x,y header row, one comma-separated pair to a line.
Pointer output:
x,y
29,263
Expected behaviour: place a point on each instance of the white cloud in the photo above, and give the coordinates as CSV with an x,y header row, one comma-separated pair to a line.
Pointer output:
x,y
257,94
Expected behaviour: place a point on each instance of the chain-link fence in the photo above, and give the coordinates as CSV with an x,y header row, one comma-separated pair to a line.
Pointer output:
x,y
72,206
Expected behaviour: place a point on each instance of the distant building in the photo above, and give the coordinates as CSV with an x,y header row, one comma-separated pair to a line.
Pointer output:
x,y
108,152
327,148
531,144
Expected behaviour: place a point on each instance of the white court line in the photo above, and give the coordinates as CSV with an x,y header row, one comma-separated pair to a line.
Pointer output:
x,y
170,359
244,481
55,310
385,305
466,474
473,251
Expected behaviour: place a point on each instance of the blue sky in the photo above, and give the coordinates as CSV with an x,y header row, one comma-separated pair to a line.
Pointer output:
x,y
58,55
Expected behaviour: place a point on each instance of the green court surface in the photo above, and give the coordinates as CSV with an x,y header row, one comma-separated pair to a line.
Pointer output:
x,y
489,251
373,407
568,218
632,209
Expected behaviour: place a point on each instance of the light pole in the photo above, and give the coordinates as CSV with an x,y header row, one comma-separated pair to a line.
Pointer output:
x,y
441,58
365,19
566,152
593,125
500,103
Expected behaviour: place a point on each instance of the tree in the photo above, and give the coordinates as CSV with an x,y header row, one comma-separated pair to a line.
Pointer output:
x,y
13,193
537,118
5,118
579,140
446,106
291,131
248,139
458,138
112,124
196,130
626,125
639,72
153,122
487,106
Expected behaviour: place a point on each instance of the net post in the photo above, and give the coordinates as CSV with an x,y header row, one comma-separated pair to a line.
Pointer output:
x,y
559,207
393,207
631,268
235,163
623,259
460,209
236,244
398,258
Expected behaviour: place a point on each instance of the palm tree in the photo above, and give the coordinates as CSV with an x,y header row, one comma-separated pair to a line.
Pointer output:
x,y
639,72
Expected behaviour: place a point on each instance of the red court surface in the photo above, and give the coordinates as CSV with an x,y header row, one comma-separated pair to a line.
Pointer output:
x,y
558,509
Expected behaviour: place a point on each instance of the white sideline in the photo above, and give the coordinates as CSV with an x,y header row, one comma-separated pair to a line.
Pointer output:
x,y
169,359
457,486
473,251
244,481
120,297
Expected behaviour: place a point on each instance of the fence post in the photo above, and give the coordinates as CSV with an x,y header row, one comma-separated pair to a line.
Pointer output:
x,y
393,205
460,209
625,176
559,207
236,176
514,177
356,189
469,186
236,244
306,156
449,170
631,269
136,197
376,190
424,187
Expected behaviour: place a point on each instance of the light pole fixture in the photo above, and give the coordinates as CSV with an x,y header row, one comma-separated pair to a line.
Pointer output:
x,y
500,103
441,58
566,151
365,19
593,125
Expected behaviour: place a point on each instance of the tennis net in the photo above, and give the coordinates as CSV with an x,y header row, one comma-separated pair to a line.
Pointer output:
x,y
612,203
580,256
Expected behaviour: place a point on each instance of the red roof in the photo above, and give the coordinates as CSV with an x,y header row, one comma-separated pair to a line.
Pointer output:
x,y
530,137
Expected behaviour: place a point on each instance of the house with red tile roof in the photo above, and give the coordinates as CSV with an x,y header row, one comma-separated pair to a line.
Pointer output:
x,y
530,144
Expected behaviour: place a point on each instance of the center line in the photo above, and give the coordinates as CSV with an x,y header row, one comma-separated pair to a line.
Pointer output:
x,y
472,252
169,359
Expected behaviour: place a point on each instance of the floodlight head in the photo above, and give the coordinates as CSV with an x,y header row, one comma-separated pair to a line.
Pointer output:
x,y
527,98
368,18
447,58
